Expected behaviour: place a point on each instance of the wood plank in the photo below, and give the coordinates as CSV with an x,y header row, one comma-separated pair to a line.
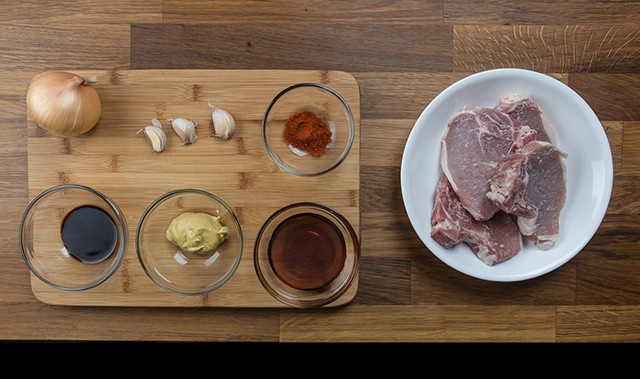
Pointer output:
x,y
630,151
547,48
114,160
396,95
602,92
616,238
625,198
418,323
50,47
609,280
384,281
403,96
14,281
615,284
12,176
302,11
13,108
614,131
598,323
383,141
80,12
389,234
380,195
293,46
541,12
35,321
433,282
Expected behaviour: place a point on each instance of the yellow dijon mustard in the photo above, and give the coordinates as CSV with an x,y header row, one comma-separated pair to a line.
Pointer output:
x,y
197,232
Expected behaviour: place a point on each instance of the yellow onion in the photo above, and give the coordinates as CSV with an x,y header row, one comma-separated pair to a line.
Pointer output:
x,y
63,103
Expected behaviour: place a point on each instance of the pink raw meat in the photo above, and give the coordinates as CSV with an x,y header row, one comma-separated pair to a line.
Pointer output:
x,y
476,142
493,241
524,109
531,184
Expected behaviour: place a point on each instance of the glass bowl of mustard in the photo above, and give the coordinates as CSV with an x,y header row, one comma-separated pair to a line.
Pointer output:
x,y
73,237
189,242
308,129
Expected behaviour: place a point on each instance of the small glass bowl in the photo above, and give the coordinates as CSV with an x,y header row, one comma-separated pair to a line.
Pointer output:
x,y
41,240
182,272
328,105
296,256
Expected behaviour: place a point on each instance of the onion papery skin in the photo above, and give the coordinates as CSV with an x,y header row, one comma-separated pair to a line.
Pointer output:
x,y
63,103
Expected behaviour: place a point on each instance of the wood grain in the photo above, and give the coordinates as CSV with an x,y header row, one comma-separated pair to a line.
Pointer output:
x,y
374,323
537,11
630,154
433,282
614,131
302,11
112,160
298,46
384,280
89,12
379,227
394,95
37,321
617,237
386,141
548,48
625,198
602,92
50,47
595,323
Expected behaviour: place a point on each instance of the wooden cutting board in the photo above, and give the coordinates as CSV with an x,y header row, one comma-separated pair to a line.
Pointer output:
x,y
116,161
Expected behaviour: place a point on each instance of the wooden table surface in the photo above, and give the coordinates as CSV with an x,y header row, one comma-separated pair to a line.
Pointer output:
x,y
403,53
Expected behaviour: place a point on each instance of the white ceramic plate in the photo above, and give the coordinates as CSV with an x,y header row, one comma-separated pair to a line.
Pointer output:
x,y
579,134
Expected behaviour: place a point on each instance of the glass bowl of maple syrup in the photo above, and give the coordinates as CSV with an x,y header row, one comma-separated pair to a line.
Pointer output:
x,y
73,237
308,129
306,255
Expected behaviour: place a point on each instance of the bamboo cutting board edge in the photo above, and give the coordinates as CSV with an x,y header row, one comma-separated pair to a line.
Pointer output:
x,y
181,86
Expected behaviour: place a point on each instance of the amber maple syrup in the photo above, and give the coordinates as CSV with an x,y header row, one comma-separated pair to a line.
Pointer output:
x,y
307,251
89,234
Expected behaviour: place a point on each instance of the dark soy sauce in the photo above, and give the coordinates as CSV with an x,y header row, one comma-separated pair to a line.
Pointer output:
x,y
89,234
307,251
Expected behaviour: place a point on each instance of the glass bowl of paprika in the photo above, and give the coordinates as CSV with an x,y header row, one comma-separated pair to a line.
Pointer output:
x,y
308,129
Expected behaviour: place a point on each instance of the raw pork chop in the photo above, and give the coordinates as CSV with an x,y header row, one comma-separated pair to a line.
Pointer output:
x,y
493,241
524,109
476,142
531,184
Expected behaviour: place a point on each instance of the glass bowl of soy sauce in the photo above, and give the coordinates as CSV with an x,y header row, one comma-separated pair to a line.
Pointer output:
x,y
307,255
73,237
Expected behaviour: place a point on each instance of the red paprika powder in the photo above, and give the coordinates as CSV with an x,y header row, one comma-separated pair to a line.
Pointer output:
x,y
307,132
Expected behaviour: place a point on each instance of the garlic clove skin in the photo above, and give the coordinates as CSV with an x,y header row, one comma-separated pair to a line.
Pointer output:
x,y
223,123
185,129
156,136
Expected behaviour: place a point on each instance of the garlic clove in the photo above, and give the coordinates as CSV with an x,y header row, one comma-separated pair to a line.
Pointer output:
x,y
185,129
332,128
297,151
223,123
156,136
156,123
